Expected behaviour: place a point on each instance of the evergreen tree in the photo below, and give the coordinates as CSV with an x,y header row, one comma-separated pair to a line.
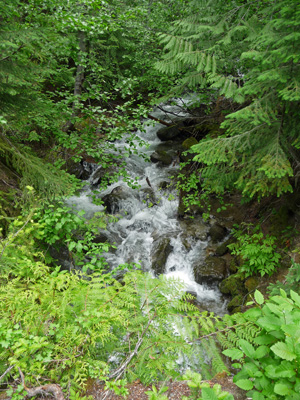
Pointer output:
x,y
249,52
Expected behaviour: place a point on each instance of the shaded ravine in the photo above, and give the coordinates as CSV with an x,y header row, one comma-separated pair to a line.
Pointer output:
x,y
148,231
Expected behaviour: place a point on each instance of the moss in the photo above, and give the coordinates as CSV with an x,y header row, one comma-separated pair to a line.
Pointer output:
x,y
251,283
235,303
231,285
188,143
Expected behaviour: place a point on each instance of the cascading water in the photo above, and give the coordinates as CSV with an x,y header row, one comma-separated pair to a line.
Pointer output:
x,y
148,231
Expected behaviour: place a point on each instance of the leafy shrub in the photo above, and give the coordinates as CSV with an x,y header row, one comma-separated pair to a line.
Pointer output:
x,y
270,366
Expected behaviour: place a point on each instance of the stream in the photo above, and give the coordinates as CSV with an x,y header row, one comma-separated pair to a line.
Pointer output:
x,y
148,231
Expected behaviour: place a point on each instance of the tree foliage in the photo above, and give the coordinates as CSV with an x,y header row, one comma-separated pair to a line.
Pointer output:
x,y
247,52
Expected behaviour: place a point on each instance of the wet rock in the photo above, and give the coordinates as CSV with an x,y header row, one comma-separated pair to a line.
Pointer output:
x,y
62,257
172,148
161,251
161,157
100,238
102,174
210,270
111,200
231,285
236,303
191,298
189,142
147,196
217,232
194,227
170,132
82,170
164,185
223,249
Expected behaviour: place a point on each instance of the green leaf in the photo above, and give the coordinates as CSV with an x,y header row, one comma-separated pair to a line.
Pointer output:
x,y
234,354
295,297
244,384
264,339
258,396
261,351
247,348
259,298
281,350
282,389
208,394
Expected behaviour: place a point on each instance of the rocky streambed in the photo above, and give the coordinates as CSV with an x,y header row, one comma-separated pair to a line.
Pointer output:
x,y
151,229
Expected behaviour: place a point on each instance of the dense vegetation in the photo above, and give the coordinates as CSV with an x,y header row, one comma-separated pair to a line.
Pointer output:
x,y
77,75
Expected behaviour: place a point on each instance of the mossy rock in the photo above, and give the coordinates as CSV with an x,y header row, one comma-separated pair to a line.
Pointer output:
x,y
161,157
232,285
210,271
189,142
235,304
252,283
217,232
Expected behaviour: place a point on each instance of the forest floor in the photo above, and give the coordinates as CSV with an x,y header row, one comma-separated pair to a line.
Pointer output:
x,y
176,390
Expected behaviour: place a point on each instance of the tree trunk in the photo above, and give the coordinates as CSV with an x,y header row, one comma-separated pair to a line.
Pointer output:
x,y
79,79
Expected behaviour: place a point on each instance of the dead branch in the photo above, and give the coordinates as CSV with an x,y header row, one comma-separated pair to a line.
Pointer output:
x,y
49,388
118,372
160,121
6,372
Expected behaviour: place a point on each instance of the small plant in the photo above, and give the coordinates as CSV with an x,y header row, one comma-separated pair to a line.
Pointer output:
x,y
201,390
258,252
118,387
155,394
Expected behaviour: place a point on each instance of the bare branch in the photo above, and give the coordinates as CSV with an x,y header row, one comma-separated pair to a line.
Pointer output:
x,y
6,372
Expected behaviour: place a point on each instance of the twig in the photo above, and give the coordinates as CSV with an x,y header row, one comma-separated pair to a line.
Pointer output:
x,y
6,372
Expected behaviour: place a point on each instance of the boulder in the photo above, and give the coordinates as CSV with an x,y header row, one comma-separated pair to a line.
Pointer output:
x,y
194,227
187,144
211,270
102,174
147,196
217,232
161,157
222,249
62,257
170,132
236,303
82,170
252,283
111,200
232,285
160,252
